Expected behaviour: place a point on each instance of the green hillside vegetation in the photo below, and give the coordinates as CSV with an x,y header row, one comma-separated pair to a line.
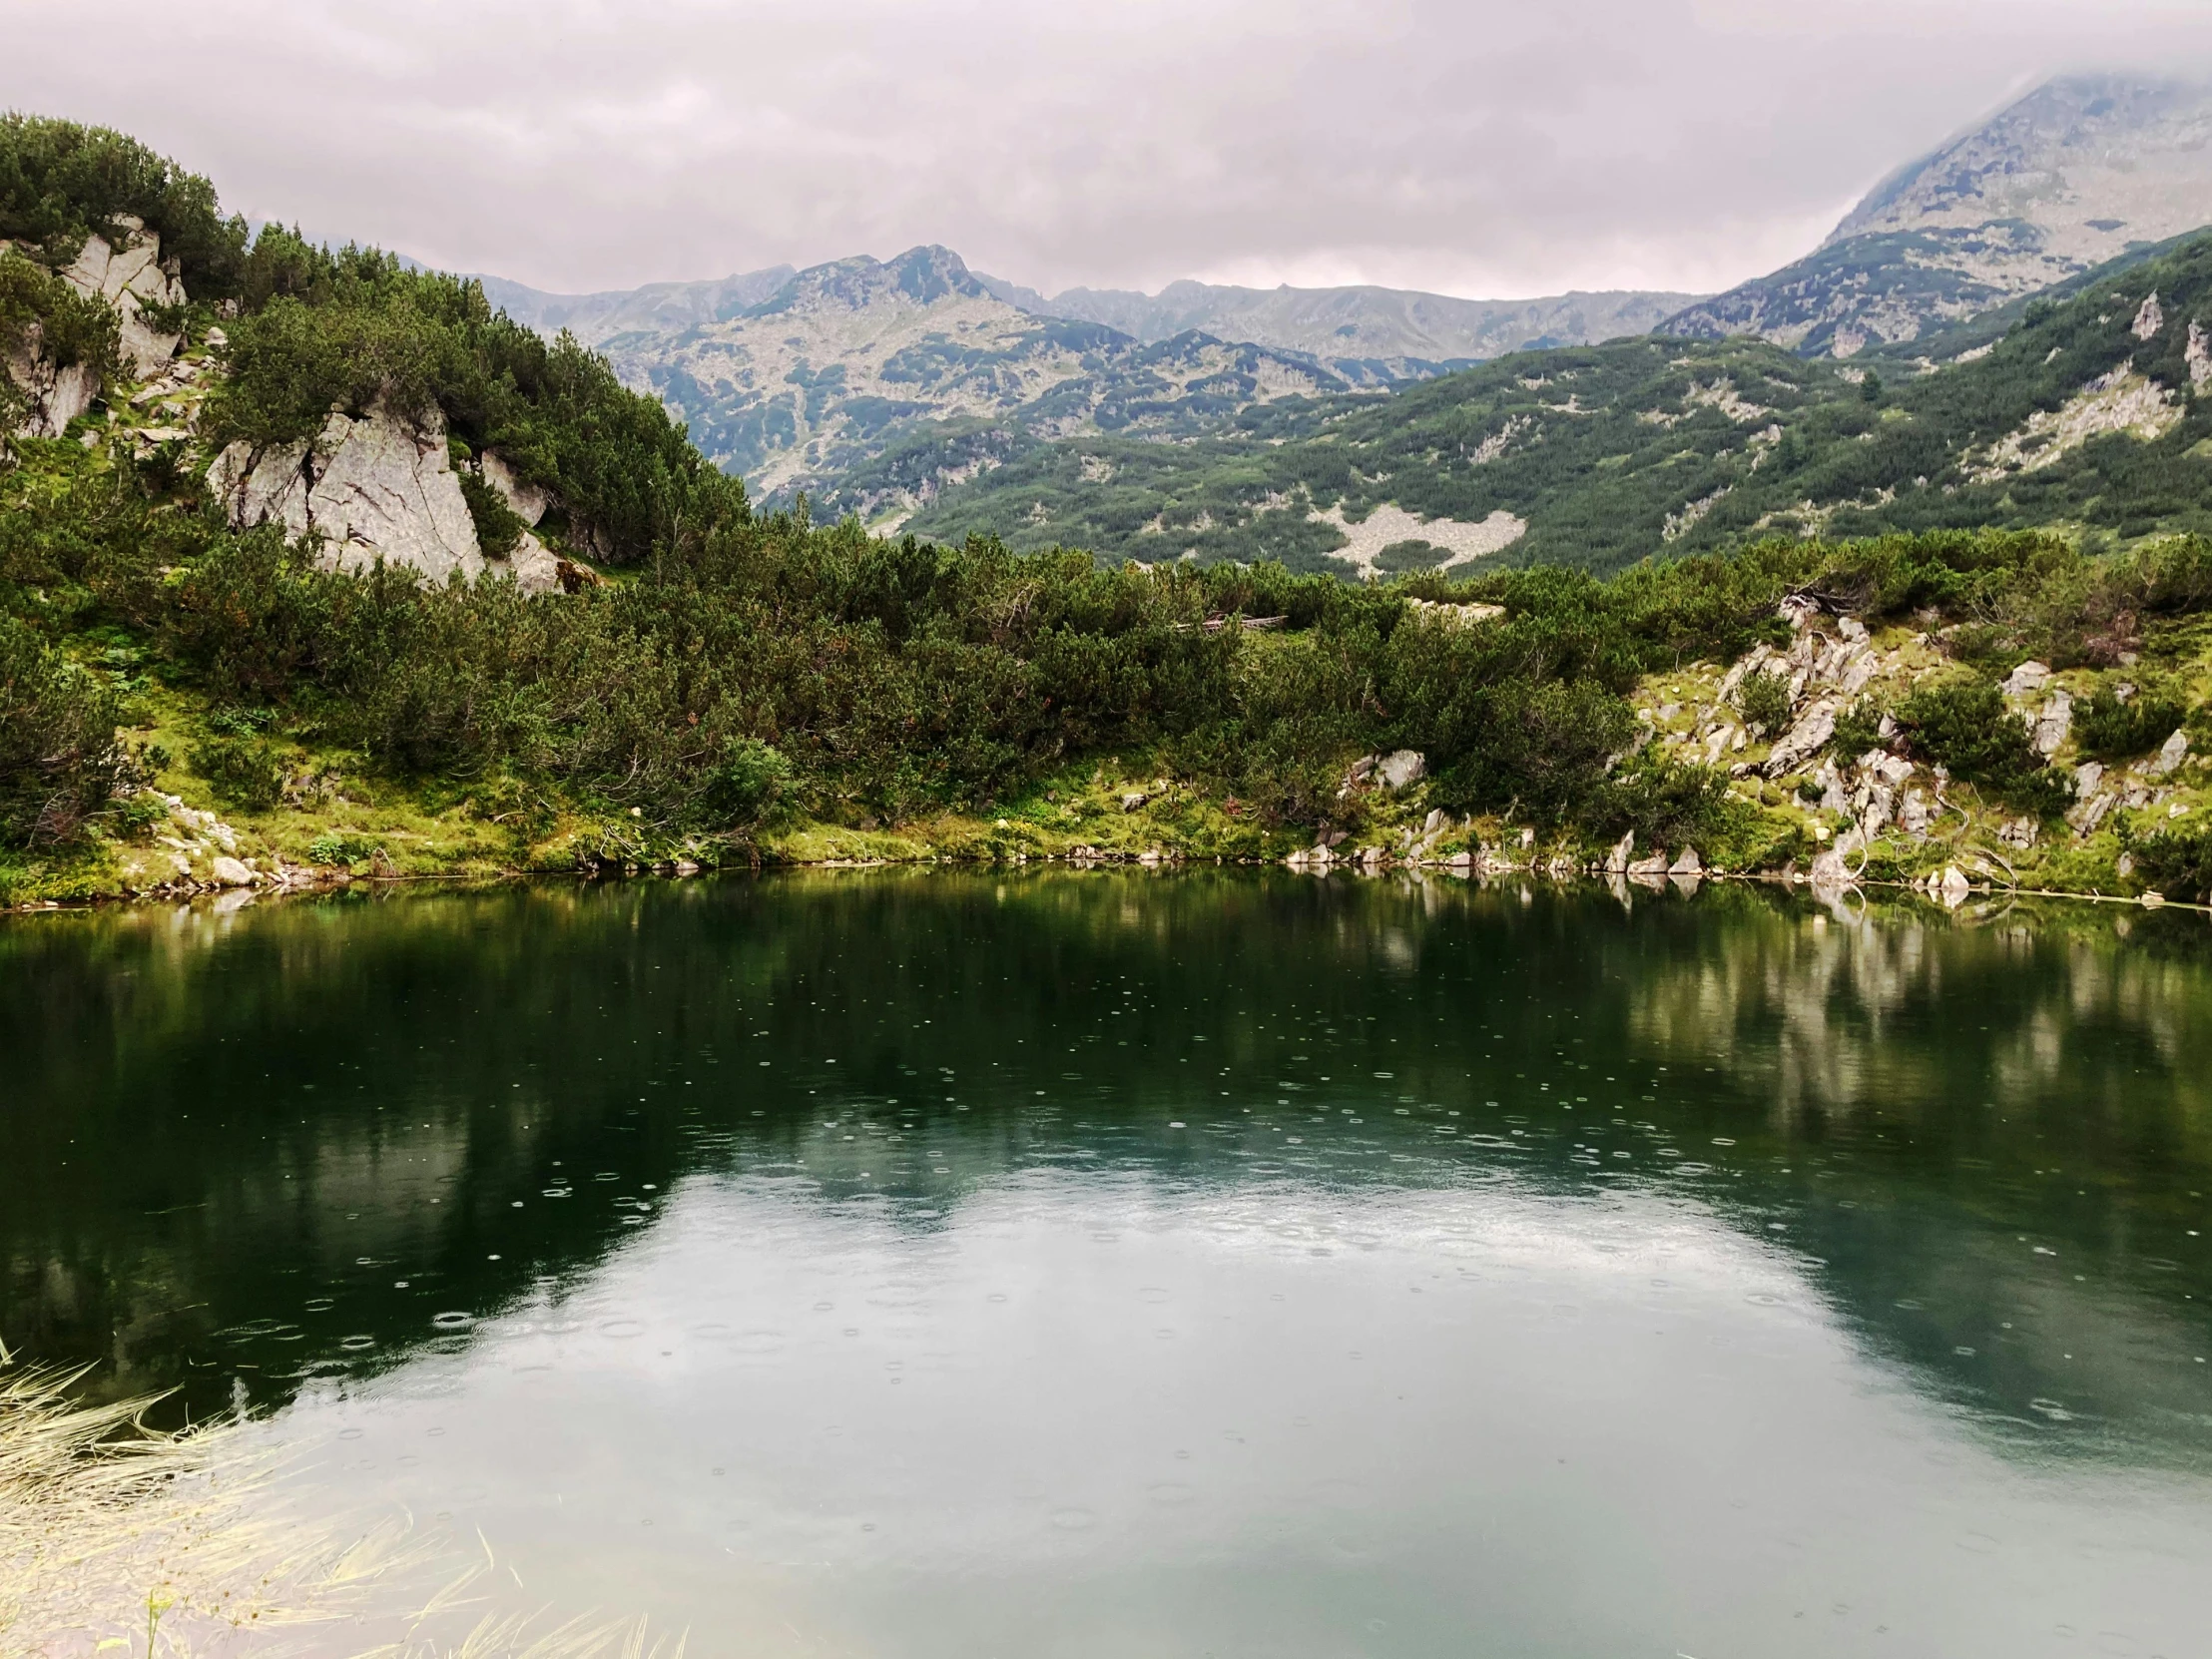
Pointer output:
x,y
1617,452
757,686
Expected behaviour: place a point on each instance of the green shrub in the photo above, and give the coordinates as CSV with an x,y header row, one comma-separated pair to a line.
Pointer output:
x,y
342,846
747,785
2176,863
247,772
2114,730
1857,728
60,759
499,529
71,328
1963,725
60,182
1411,555
136,814
1667,802
1763,699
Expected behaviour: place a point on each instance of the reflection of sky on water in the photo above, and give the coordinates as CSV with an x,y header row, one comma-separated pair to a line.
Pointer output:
x,y
1087,1413
1718,1271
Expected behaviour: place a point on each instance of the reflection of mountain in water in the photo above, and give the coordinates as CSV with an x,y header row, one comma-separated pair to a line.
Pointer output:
x,y
1996,1131
285,1143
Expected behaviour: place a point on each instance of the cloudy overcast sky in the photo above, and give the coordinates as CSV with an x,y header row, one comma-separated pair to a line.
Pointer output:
x,y
1489,147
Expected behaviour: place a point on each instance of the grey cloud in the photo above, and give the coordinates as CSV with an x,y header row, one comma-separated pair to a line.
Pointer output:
x,y
1485,147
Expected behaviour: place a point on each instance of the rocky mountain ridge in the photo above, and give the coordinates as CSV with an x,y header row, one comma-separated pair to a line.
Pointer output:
x,y
2064,180
129,279
1363,330
921,372
845,359
368,487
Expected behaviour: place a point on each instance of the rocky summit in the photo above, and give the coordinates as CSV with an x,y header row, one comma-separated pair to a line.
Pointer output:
x,y
843,361
2074,175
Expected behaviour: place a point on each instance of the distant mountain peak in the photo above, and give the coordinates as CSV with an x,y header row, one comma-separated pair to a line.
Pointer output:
x,y
920,277
2028,161
2058,183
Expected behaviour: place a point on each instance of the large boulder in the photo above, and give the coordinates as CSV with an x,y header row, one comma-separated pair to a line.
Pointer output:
x,y
2170,755
128,278
1401,769
1803,740
372,489
533,567
53,396
528,500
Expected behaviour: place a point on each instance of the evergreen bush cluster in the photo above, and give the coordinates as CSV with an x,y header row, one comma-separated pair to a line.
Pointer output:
x,y
749,667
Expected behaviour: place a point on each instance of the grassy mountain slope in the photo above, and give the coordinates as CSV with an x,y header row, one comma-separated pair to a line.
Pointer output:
x,y
2081,418
187,705
2064,180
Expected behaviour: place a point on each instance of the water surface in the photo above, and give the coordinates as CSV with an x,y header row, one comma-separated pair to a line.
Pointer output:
x,y
1110,1263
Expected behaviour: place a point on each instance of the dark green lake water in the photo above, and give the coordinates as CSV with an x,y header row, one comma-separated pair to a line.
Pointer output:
x,y
1177,1264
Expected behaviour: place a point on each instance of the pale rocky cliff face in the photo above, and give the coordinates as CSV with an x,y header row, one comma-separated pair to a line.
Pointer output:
x,y
370,488
128,278
56,396
380,488
125,280
373,488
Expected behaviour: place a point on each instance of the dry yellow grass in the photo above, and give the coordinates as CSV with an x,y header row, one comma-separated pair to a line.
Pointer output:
x,y
115,1538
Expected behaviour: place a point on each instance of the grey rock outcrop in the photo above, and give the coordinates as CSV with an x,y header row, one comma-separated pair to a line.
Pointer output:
x,y
529,501
1401,769
55,397
128,278
2170,755
533,567
1803,740
2052,726
1830,869
372,489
